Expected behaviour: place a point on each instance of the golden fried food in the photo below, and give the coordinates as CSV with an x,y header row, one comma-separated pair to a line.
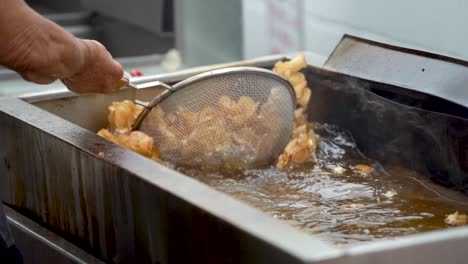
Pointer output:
x,y
303,101
136,141
456,219
122,115
299,82
363,169
287,68
338,169
215,133
300,117
270,110
303,143
238,112
297,151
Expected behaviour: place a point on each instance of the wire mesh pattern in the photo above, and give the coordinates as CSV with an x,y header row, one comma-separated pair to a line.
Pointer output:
x,y
233,120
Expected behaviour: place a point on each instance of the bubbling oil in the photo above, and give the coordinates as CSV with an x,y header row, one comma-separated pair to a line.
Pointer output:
x,y
343,208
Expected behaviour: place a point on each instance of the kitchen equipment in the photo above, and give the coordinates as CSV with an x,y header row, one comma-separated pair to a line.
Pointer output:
x,y
211,144
125,208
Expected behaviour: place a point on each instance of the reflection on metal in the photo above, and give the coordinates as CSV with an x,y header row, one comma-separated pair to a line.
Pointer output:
x,y
39,245
126,208
422,71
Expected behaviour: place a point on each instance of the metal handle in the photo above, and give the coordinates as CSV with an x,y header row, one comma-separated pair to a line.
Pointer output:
x,y
149,105
124,81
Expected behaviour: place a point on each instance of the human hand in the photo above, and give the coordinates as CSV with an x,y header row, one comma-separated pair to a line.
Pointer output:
x,y
98,72
42,52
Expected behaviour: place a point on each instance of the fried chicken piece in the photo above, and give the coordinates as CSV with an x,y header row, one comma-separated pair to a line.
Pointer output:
x,y
297,151
136,141
300,118
363,169
456,219
303,101
104,133
122,115
299,82
269,111
300,130
238,112
287,68
303,143
194,119
338,170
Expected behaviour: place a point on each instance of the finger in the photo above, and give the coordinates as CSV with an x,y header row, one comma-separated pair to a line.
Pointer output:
x,y
100,73
38,78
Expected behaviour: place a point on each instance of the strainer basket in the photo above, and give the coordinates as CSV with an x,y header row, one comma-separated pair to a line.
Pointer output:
x,y
232,118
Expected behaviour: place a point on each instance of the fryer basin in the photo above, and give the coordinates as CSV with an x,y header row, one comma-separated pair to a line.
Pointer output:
x,y
125,208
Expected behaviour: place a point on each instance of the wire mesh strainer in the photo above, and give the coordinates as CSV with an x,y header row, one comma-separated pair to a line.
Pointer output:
x,y
231,118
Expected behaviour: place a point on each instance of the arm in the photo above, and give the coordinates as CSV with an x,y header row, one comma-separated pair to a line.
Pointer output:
x,y
42,52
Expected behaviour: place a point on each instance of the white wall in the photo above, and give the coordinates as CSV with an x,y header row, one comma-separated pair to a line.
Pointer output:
x,y
208,31
436,26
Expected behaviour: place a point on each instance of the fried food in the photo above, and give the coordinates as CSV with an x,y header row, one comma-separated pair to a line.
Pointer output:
x,y
301,147
288,68
216,133
122,115
338,169
363,169
456,219
136,141
297,151
239,112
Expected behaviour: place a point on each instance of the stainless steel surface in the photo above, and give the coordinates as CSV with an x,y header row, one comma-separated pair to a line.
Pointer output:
x,y
150,15
6,237
54,6
430,73
70,18
130,209
39,245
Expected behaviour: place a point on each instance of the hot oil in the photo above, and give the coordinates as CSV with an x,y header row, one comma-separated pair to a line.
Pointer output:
x,y
348,207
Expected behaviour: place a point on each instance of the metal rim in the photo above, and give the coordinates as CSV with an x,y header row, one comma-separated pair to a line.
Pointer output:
x,y
260,71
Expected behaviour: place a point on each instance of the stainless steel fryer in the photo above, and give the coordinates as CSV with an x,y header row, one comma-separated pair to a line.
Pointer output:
x,y
125,208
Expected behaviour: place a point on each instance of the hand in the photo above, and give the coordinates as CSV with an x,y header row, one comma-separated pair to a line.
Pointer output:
x,y
98,72
42,52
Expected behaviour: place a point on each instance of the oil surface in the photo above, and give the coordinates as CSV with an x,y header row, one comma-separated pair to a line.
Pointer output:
x,y
344,208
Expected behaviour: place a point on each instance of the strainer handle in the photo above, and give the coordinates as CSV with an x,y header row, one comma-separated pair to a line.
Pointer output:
x,y
156,100
124,81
